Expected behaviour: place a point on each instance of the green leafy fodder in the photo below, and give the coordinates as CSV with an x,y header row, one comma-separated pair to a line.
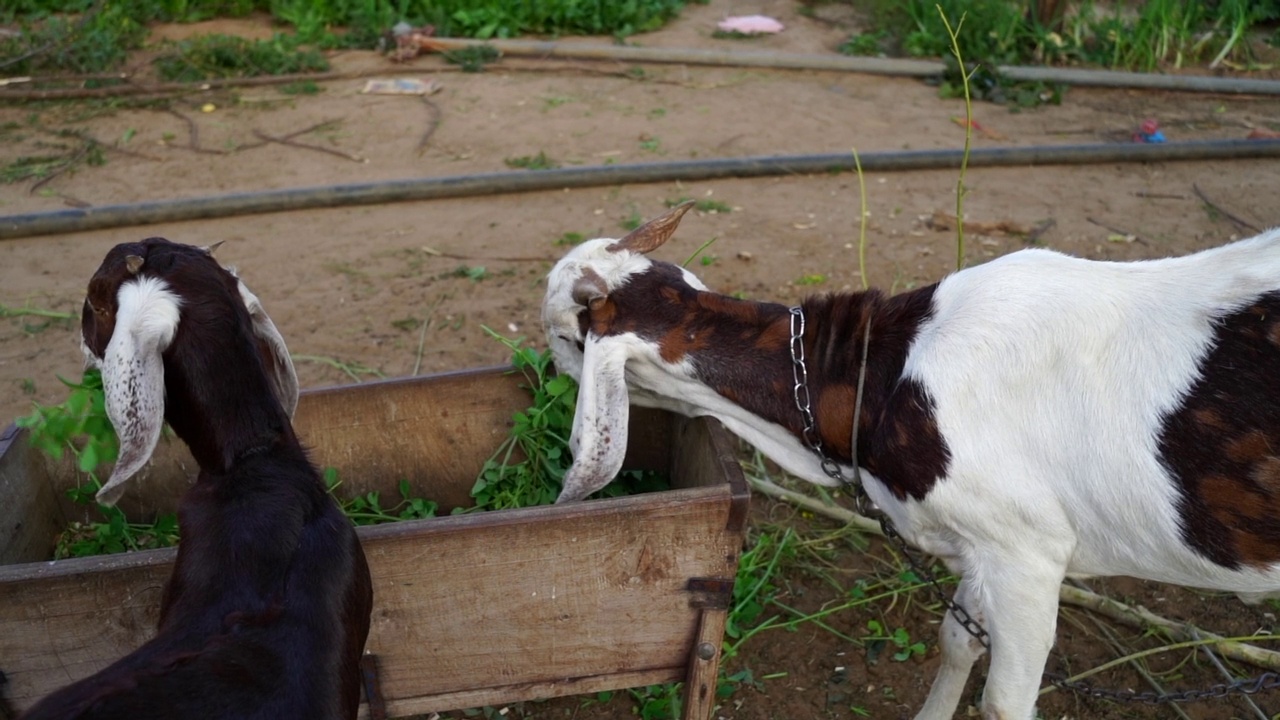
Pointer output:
x,y
80,425
366,508
116,534
528,468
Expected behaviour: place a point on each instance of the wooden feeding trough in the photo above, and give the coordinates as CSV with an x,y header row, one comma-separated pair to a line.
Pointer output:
x,y
469,610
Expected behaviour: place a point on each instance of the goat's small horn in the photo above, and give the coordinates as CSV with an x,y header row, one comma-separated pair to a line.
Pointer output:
x,y
213,248
650,236
133,263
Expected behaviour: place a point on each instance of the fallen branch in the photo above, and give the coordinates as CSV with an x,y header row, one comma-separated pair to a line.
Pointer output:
x,y
307,146
1140,617
290,136
1137,617
835,512
72,162
432,124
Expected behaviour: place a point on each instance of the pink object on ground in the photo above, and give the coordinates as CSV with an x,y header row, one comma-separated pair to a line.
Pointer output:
x,y
750,24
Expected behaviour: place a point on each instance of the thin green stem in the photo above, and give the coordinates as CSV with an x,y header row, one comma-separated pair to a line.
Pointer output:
x,y
6,311
965,75
862,219
701,247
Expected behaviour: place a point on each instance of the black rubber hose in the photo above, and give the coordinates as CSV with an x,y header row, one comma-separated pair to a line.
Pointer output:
x,y
434,188
902,67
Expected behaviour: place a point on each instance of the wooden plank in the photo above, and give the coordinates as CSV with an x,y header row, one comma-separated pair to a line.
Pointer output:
x,y
545,594
703,454
537,596
469,610
437,434
29,511
704,665
500,695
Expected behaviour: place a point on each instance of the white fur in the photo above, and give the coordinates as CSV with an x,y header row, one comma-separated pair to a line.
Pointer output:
x,y
133,375
1050,376
285,379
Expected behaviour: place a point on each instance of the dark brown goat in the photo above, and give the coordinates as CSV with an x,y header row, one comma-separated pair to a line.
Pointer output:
x,y
267,611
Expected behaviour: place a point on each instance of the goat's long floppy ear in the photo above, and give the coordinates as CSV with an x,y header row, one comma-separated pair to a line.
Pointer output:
x,y
133,376
650,236
283,377
600,422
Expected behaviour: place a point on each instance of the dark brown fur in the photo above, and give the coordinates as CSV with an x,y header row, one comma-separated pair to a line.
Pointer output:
x,y
741,349
1221,444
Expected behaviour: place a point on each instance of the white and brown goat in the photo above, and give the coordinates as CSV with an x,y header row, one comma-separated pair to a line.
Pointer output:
x,y
1031,418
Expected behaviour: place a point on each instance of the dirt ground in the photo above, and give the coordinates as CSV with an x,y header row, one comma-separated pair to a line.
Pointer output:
x,y
350,288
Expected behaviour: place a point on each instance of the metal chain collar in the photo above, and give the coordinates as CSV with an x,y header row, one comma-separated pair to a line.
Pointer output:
x,y
867,508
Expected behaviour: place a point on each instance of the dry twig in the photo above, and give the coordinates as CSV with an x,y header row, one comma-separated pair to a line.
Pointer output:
x,y
432,124
307,146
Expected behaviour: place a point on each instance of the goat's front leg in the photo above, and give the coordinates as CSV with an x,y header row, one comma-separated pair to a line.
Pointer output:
x,y
960,650
1020,601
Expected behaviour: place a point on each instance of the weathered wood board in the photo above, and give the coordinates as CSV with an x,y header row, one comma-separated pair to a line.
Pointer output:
x,y
469,610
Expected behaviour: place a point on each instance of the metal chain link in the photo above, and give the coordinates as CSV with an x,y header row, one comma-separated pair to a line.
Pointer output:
x,y
1244,686
867,508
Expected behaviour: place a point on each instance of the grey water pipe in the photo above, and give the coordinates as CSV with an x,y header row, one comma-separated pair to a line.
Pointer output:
x,y
870,65
456,186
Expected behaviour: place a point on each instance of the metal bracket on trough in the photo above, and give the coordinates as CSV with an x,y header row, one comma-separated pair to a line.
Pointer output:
x,y
710,593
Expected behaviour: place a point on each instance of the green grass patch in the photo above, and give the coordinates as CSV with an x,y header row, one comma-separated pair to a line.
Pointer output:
x,y
1136,36
532,162
206,57
96,36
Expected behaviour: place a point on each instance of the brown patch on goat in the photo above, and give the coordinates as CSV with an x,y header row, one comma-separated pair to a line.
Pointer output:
x,y
1220,445
1209,418
910,448
1250,447
600,319
834,414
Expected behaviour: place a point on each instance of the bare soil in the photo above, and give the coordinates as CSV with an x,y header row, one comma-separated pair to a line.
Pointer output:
x,y
350,288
